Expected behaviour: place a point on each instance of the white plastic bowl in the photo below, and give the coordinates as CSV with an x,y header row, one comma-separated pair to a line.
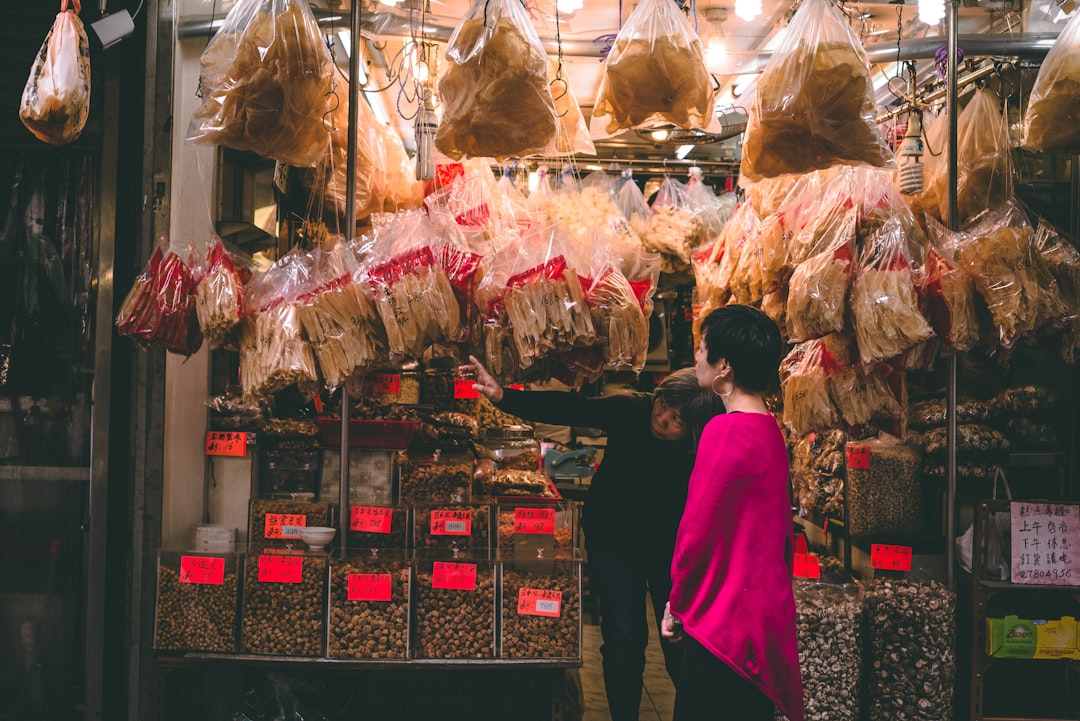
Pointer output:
x,y
316,537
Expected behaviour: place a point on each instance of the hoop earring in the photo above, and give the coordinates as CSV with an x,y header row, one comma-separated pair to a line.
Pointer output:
x,y
722,395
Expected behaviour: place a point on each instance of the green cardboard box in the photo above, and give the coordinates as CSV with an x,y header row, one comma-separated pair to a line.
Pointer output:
x,y
1014,637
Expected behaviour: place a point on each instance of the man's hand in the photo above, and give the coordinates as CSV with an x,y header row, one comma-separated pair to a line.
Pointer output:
x,y
485,385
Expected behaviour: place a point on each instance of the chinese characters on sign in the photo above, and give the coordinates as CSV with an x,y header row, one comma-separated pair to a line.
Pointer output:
x,y
858,456
370,519
454,576
534,520
387,384
806,566
226,443
886,557
463,388
538,602
284,525
202,569
451,523
281,569
370,586
1044,543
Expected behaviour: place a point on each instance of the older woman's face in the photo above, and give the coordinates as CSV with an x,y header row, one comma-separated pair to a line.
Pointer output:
x,y
667,422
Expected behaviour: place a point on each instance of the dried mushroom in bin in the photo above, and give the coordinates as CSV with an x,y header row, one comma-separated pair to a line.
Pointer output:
x,y
370,624
195,616
454,623
284,617
527,633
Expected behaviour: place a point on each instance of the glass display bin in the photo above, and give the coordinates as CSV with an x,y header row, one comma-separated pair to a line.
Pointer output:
x,y
445,390
378,527
369,607
371,475
197,600
284,607
541,609
453,614
513,447
287,471
535,529
436,475
452,530
273,523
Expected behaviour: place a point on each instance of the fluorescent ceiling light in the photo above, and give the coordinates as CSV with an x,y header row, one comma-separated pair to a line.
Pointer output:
x,y
682,151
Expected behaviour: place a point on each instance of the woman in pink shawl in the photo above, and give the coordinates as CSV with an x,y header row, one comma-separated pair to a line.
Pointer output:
x,y
731,598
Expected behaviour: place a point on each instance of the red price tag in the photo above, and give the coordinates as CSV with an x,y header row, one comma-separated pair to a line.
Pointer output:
x,y
516,386
370,519
282,525
806,566
387,384
463,388
800,544
534,520
281,569
451,523
538,602
454,576
226,443
202,569
886,557
858,456
370,586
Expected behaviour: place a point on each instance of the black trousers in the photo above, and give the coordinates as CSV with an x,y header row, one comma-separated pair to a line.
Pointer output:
x,y
708,690
625,579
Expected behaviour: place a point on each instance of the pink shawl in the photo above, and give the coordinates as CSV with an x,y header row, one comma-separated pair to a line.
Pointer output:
x,y
731,573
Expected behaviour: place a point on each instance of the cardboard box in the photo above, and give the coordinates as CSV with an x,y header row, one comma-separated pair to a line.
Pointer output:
x,y
1014,637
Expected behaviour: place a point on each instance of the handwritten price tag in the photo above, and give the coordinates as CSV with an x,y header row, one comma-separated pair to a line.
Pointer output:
x,y
454,576
284,525
806,566
451,523
538,602
463,388
201,569
370,586
534,520
370,519
886,557
858,457
387,384
281,569
226,443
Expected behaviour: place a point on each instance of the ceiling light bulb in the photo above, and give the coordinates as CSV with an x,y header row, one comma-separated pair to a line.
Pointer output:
x,y
659,135
931,12
715,54
748,10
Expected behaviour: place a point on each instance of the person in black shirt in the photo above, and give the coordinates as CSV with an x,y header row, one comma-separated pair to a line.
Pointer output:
x,y
633,508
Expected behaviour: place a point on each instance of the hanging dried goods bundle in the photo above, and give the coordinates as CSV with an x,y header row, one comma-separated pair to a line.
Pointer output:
x,y
948,300
617,317
266,77
572,134
56,99
159,310
815,103
1063,261
863,396
495,95
934,413
273,352
817,472
818,289
1052,122
342,325
674,226
219,296
803,381
654,75
417,307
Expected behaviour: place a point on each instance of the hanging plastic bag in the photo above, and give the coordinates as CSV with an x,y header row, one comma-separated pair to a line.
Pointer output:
x,y
654,75
947,293
631,203
884,305
1052,121
674,228
934,159
571,133
804,375
815,103
618,317
266,79
1063,260
983,166
159,310
219,295
495,95
818,289
56,99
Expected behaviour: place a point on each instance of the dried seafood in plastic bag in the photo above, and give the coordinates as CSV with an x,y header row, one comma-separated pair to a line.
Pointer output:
x,y
863,396
56,99
654,75
933,413
970,438
674,226
219,296
815,103
495,94
884,305
571,133
818,288
266,77
1052,121
803,381
1024,400
947,293
817,472
618,317
1063,261
159,310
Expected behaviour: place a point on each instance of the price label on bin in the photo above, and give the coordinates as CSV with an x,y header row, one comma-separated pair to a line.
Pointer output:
x,y
451,523
370,519
281,569
806,566
453,576
284,525
226,443
387,384
463,388
370,586
202,569
539,602
886,557
534,520
858,457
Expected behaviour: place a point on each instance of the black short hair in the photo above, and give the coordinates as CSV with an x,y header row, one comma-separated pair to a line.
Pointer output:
x,y
750,342
697,405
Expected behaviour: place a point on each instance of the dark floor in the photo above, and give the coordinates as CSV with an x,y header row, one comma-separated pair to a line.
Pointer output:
x,y
658,697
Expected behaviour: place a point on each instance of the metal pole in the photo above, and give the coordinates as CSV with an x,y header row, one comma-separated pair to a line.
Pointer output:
x,y
950,459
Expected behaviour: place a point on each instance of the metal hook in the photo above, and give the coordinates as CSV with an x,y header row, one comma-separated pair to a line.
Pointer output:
x,y
999,71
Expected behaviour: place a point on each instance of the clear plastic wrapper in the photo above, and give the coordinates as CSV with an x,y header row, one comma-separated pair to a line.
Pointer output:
x,y
1063,260
160,309
712,210
815,103
403,191
266,79
571,132
884,494
818,288
494,90
219,295
947,293
829,619
935,156
804,376
1052,121
933,413
631,203
884,305
675,226
817,472
869,397
56,100
619,318
747,284
654,75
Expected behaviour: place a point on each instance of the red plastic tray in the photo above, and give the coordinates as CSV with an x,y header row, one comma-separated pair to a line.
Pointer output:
x,y
369,434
